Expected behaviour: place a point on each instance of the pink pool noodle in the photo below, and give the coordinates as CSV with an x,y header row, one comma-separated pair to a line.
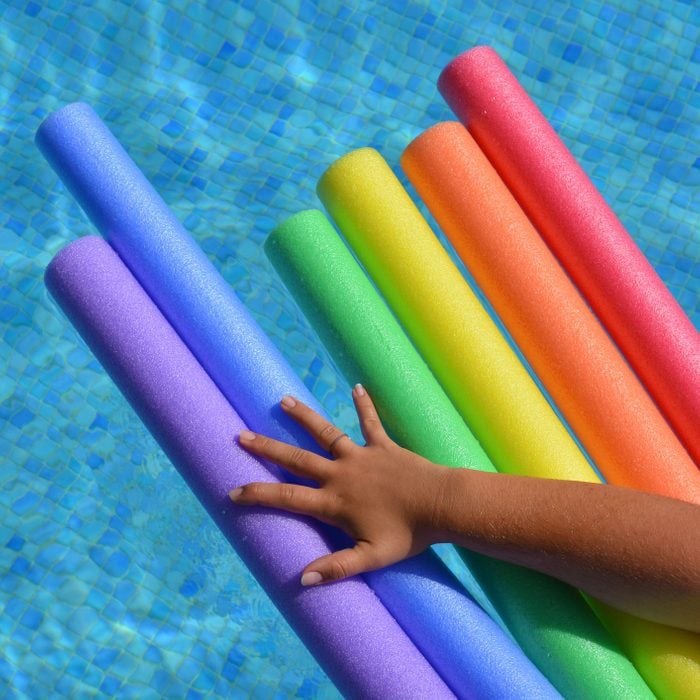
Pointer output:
x,y
655,335
344,625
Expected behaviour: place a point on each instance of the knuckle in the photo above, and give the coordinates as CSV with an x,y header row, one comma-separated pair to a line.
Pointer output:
x,y
262,443
371,423
327,432
287,493
337,569
297,457
333,508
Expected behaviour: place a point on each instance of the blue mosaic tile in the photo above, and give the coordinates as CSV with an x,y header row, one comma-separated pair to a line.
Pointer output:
x,y
104,658
31,619
110,685
15,543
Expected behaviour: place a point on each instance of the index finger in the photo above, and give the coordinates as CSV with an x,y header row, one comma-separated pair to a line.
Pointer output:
x,y
295,459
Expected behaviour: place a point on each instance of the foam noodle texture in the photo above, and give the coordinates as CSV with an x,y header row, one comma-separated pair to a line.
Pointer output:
x,y
461,344
549,619
564,343
232,348
584,373
668,658
478,659
653,332
349,632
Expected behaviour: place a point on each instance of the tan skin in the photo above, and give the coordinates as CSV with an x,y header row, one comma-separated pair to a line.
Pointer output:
x,y
635,551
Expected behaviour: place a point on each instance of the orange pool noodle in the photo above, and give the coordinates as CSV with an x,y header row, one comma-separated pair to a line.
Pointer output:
x,y
640,313
597,392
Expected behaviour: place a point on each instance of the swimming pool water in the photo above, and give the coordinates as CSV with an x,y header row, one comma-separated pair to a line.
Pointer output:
x,y
113,582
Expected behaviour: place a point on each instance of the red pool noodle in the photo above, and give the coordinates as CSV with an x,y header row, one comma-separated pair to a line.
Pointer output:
x,y
653,332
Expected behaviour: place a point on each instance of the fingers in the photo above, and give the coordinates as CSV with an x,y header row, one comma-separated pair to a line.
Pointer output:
x,y
330,438
341,564
295,459
291,497
371,425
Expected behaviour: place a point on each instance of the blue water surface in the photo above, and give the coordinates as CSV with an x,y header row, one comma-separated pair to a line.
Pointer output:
x,y
113,581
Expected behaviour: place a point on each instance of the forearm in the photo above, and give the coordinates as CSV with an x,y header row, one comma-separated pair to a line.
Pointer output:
x,y
635,551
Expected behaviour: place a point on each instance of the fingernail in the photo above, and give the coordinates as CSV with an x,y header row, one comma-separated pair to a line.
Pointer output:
x,y
288,402
311,578
246,435
359,390
233,495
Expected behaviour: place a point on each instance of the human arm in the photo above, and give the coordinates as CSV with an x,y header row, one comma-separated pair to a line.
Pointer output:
x,y
637,552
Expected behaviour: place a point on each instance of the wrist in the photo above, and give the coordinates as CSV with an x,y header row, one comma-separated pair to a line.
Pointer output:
x,y
452,503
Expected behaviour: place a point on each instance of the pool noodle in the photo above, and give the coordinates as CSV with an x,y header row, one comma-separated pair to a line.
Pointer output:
x,y
670,662
473,362
564,343
228,343
172,268
581,368
350,633
548,618
478,659
655,335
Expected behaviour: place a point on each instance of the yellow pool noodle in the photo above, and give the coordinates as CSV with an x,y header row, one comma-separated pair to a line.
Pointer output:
x,y
462,345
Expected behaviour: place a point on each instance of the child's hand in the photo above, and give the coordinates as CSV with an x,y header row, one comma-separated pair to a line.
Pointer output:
x,y
395,503
382,495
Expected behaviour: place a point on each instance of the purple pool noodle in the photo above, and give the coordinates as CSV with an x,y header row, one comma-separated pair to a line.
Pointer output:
x,y
350,633
445,623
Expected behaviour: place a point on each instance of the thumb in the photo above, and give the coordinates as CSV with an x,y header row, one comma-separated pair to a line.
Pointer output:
x,y
339,565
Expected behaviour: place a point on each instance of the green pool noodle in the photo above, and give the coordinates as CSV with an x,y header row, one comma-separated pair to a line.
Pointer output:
x,y
548,618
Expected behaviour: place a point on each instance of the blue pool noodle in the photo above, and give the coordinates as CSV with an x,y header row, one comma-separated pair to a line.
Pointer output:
x,y
451,630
